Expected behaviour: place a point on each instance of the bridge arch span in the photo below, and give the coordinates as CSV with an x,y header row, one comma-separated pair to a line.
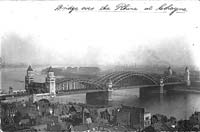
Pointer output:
x,y
102,78
43,106
42,97
111,76
131,74
43,100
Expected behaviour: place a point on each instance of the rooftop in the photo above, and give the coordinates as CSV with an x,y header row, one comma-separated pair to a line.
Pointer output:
x,y
29,68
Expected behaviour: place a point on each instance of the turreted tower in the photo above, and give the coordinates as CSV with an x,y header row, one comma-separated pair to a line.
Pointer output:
x,y
51,81
170,72
29,78
187,76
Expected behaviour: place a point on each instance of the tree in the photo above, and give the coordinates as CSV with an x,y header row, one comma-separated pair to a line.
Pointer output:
x,y
17,117
154,119
194,119
163,119
172,120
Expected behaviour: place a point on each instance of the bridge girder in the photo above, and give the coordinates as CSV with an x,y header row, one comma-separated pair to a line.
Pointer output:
x,y
88,83
131,74
113,76
105,78
165,79
84,82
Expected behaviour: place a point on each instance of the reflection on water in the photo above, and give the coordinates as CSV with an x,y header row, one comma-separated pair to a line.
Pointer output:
x,y
179,105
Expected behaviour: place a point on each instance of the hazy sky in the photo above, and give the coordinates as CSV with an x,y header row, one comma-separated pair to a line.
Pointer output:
x,y
33,33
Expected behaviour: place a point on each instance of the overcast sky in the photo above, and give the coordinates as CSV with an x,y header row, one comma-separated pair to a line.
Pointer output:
x,y
33,33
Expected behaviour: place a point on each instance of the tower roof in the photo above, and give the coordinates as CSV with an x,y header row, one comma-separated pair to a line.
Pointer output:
x,y
50,69
29,68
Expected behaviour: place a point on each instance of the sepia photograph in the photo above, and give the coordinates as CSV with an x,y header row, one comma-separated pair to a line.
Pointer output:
x,y
99,66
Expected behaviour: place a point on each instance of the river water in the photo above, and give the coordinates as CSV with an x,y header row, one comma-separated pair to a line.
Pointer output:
x,y
179,105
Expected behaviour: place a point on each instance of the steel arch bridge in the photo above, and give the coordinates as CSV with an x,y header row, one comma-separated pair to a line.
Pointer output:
x,y
118,77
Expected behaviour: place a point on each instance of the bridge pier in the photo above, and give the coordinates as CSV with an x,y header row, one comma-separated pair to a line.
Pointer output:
x,y
161,86
161,90
101,96
148,91
187,77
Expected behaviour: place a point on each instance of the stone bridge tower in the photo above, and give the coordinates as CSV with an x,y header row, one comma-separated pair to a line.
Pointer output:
x,y
51,81
187,76
29,78
170,72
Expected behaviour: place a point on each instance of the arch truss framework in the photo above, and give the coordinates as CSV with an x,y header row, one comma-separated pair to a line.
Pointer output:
x,y
117,77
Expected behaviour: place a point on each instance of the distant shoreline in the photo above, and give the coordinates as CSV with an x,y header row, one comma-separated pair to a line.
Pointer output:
x,y
19,66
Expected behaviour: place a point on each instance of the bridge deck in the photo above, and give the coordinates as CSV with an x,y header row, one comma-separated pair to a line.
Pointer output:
x,y
81,91
78,92
132,87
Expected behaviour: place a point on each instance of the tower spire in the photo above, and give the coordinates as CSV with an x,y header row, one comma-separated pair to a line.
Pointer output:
x,y
51,81
29,78
170,72
30,68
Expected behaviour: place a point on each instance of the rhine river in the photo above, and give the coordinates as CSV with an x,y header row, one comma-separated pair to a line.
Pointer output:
x,y
179,105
